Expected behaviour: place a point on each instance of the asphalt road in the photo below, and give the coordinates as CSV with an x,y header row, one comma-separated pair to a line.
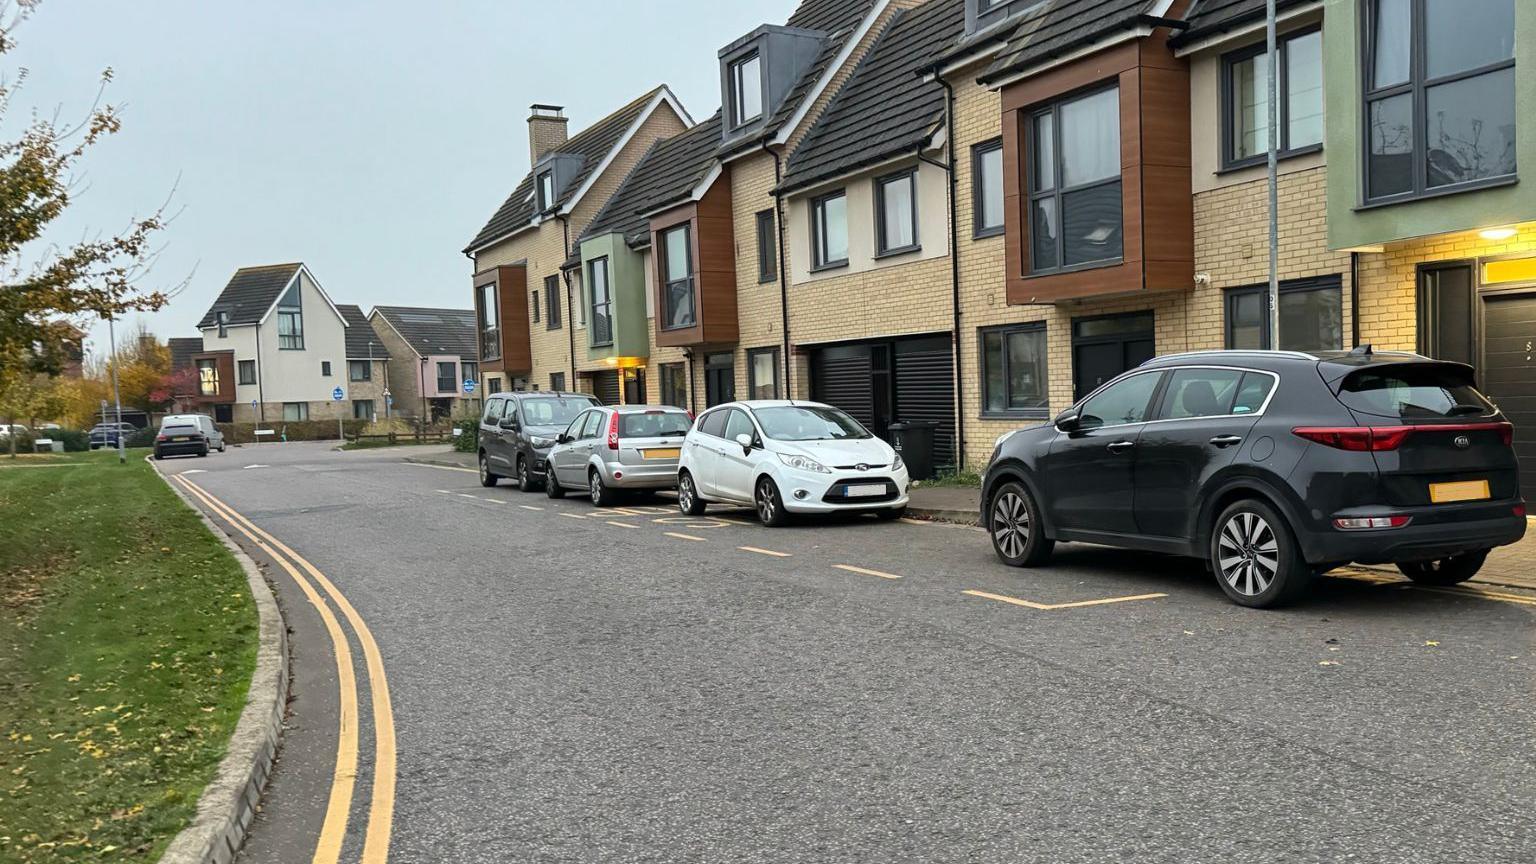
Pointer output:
x,y
571,688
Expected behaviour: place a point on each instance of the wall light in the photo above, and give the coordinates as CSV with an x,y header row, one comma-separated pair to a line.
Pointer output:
x,y
1496,233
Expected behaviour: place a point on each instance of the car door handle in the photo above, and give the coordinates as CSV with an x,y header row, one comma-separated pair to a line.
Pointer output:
x,y
1119,446
1227,440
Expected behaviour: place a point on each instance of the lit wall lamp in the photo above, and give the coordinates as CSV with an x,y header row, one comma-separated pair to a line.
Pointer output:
x,y
1496,233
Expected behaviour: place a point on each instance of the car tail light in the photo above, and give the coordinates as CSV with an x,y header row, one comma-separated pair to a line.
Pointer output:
x,y
1520,510
613,431
1367,522
1357,438
160,438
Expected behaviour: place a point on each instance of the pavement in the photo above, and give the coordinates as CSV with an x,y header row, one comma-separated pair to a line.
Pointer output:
x,y
572,684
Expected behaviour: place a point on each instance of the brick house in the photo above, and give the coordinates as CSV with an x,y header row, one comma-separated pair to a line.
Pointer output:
x,y
431,354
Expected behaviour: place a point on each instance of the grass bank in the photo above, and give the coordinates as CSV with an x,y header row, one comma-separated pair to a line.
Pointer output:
x,y
127,640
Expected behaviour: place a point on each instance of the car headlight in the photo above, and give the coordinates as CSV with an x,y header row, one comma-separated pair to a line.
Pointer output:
x,y
1003,437
541,443
896,463
803,463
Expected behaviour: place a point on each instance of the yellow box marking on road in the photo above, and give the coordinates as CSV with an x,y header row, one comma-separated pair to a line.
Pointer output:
x,y
684,536
1496,596
866,572
768,552
1049,607
529,507
627,511
621,524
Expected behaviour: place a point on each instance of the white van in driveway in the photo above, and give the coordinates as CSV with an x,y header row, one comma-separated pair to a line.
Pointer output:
x,y
187,435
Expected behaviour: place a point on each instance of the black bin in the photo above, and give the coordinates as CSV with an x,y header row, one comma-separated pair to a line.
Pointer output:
x,y
913,439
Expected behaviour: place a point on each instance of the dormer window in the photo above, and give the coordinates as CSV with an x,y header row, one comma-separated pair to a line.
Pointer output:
x,y
223,320
981,14
546,190
746,90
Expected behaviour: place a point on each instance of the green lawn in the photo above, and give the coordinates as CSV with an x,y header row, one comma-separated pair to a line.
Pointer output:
x,y
127,639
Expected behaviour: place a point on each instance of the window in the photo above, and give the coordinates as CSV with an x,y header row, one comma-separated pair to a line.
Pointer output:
x,y
557,381
223,318
325,368
208,377
470,370
1439,96
492,385
492,414
1245,88
359,370
719,378
1311,315
829,231
600,328
746,90
490,341
447,377
987,189
546,190
552,302
1199,393
767,248
290,320
1124,401
1014,372
763,373
534,304
1415,392
654,424
362,409
713,423
738,423
246,372
674,385
293,412
677,262
1075,205
896,214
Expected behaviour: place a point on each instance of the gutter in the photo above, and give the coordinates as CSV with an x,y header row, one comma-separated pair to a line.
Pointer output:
x,y
954,264
1081,42
778,220
565,275
1354,298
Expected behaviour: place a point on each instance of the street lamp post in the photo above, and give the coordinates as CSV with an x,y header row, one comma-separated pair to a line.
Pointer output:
x,y
117,395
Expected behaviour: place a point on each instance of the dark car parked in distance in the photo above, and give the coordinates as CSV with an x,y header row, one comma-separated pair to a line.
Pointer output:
x,y
106,434
1273,465
517,431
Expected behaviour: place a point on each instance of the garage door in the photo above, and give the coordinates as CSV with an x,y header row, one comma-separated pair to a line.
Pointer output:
x,y
1509,373
843,377
605,386
925,390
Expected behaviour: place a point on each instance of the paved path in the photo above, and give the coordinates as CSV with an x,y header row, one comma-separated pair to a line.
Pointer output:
x,y
624,685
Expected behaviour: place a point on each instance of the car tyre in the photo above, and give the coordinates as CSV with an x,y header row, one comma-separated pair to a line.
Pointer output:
x,y
1013,523
552,487
769,503
488,477
602,496
688,500
1451,570
203,454
1255,556
891,514
524,478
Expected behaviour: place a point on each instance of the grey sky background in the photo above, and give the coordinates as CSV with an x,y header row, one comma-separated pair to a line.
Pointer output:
x,y
367,139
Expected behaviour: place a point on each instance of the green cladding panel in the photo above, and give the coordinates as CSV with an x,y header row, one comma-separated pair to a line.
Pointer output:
x,y
626,277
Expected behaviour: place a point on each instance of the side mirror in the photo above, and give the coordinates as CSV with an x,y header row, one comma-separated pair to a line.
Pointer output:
x,y
1068,420
508,423
562,438
745,441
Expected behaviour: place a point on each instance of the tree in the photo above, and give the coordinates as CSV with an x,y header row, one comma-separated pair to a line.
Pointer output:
x,y
49,291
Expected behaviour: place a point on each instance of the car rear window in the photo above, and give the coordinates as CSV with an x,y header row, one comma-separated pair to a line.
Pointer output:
x,y
1409,392
178,429
654,424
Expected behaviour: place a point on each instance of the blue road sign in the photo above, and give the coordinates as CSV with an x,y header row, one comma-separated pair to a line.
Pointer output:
x,y
469,386
337,395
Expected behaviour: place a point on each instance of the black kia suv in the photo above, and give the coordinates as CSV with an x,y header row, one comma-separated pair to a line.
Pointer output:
x,y
1272,465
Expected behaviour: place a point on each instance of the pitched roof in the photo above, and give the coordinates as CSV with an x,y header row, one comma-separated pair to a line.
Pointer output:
x,y
1212,17
664,176
250,293
592,144
838,19
886,108
182,350
434,331
362,342
1057,27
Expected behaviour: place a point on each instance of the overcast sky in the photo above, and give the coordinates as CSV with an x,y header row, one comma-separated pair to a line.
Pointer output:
x,y
367,139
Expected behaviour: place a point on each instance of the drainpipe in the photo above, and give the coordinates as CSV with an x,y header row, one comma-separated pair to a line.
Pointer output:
x,y
261,390
567,321
1354,298
954,264
692,403
778,224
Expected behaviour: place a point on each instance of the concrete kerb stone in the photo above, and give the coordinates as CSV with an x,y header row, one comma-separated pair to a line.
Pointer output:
x,y
229,802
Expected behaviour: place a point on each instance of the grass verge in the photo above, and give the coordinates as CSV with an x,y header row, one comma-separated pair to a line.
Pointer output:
x,y
127,640
954,480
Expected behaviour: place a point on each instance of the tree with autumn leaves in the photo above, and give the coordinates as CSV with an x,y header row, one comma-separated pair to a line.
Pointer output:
x,y
50,291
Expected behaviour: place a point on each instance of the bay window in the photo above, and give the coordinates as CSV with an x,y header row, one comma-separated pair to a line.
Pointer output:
x,y
600,330
1075,217
208,377
677,261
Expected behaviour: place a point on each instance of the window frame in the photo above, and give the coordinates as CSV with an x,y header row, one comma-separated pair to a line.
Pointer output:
x,y
1004,330
221,317
818,227
978,151
534,307
593,306
208,376
325,368
453,379
738,89
1165,387
557,382
1229,162
371,413
545,198
679,376
301,409
1267,340
552,302
240,367
767,253
1059,191
365,365
1417,87
667,282
489,303
752,355
882,249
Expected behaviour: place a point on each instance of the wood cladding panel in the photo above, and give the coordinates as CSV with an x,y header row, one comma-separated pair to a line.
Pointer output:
x,y
512,308
224,363
713,246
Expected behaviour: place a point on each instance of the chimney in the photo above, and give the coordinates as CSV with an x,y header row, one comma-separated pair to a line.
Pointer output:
x,y
546,130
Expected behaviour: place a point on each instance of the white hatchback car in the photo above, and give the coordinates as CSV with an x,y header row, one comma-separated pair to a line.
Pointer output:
x,y
786,457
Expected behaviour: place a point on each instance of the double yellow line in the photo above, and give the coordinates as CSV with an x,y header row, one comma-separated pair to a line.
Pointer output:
x,y
338,809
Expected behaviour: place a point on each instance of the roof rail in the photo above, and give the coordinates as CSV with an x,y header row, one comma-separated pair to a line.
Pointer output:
x,y
1298,355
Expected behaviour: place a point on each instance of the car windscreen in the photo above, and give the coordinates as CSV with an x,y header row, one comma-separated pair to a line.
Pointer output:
x,y
654,424
1418,391
552,410
808,423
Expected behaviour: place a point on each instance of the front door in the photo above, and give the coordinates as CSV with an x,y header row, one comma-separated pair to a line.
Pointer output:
x,y
1090,473
719,379
1447,314
1107,345
634,386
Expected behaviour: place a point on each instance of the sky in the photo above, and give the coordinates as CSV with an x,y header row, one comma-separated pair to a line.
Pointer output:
x,y
369,140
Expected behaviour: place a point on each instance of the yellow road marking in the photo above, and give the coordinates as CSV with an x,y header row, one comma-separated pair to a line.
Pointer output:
x,y
529,507
344,777
381,808
625,510
1462,591
1047,607
621,524
852,569
683,536
769,552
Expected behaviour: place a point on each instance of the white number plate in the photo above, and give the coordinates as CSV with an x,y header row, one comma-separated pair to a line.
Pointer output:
x,y
865,491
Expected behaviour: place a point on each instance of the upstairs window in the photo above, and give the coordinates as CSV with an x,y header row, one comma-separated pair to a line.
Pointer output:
x,y
359,370
829,231
290,320
767,248
546,190
746,90
534,311
896,213
470,370
208,377
1074,184
987,189
1439,96
325,368
245,372
489,313
223,319
552,302
447,377
677,262
1245,112
600,329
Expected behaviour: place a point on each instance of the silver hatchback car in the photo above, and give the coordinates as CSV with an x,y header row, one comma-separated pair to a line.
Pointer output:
x,y
613,448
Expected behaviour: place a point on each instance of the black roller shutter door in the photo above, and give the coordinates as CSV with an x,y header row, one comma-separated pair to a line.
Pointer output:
x,y
605,386
842,377
925,390
1509,374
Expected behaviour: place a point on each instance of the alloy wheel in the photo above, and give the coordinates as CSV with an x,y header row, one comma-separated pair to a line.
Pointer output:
x,y
483,469
1248,554
1010,524
597,488
767,504
685,494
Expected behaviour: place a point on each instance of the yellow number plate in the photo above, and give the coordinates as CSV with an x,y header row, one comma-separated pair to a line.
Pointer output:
x,y
670,453
1469,490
